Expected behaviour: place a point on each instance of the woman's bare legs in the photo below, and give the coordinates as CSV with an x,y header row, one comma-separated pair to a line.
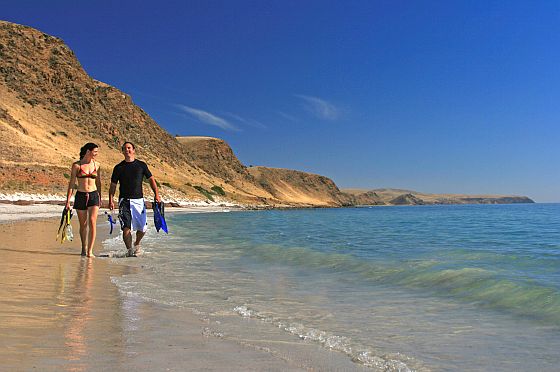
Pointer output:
x,y
92,222
82,216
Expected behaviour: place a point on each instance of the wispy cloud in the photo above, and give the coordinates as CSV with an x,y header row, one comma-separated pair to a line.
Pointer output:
x,y
250,122
287,116
319,107
208,118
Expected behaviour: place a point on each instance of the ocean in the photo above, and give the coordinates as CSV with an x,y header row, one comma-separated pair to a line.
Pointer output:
x,y
469,287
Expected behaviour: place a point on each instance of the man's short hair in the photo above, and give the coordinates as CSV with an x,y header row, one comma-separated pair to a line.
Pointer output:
x,y
124,144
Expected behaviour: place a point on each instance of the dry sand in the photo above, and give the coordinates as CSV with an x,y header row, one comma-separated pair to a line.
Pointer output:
x,y
60,311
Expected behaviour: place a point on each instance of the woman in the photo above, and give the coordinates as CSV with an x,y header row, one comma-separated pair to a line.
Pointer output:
x,y
88,196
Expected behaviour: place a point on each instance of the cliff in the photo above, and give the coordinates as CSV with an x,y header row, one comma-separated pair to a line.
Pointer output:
x,y
50,107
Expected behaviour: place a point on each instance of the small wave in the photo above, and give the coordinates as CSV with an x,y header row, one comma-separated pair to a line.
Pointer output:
x,y
130,289
488,289
358,353
481,286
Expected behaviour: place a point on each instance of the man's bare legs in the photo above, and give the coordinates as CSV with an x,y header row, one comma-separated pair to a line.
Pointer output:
x,y
127,238
139,236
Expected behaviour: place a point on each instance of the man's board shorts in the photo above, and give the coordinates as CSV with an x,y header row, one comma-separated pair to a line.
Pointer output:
x,y
132,214
84,200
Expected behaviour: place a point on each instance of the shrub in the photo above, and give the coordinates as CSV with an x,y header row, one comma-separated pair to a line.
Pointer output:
x,y
204,192
218,190
53,61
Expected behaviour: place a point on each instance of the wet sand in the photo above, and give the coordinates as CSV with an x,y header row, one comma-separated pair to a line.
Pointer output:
x,y
60,311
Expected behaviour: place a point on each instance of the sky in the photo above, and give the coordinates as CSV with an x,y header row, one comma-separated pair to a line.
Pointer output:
x,y
432,96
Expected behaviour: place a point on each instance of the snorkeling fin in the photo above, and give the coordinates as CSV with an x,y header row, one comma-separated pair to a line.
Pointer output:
x,y
62,218
69,234
159,216
65,228
111,222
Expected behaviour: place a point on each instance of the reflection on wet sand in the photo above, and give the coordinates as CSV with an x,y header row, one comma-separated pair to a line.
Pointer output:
x,y
57,309
80,307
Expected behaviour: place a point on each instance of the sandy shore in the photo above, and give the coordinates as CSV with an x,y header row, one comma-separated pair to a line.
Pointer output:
x,y
59,311
13,212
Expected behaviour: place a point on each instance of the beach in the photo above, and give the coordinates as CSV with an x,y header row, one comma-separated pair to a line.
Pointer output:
x,y
383,289
60,311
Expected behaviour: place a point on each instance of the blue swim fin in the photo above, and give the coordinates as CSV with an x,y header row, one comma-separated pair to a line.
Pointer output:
x,y
111,222
159,216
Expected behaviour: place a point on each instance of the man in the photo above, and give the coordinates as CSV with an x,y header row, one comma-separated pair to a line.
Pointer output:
x,y
132,209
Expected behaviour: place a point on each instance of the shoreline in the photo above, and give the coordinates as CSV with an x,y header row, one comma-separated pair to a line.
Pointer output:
x,y
193,206
35,208
59,310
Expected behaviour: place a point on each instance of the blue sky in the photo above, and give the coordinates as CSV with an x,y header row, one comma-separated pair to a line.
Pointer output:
x,y
433,96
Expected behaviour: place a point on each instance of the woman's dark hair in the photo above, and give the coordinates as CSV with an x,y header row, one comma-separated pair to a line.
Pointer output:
x,y
88,146
124,144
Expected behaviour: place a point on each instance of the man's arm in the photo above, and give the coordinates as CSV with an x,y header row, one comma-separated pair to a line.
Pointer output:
x,y
112,190
154,187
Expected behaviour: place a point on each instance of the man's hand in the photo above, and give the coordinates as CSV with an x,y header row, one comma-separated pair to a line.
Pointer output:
x,y
112,190
158,198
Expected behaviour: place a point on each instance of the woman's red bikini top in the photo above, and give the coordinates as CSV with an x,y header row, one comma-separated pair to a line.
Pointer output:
x,y
83,174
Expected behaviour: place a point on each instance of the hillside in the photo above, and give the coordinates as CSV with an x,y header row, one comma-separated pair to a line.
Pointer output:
x,y
299,187
271,186
214,157
50,107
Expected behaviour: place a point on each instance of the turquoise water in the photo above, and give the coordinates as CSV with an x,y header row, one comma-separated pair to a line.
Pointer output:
x,y
423,288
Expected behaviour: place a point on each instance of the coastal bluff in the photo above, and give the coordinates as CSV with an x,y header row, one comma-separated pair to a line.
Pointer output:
x,y
50,106
409,197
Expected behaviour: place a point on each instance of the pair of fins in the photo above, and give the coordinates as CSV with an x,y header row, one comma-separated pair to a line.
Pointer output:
x,y
159,216
65,227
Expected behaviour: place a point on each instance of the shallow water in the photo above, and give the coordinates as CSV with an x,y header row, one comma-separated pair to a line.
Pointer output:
x,y
395,288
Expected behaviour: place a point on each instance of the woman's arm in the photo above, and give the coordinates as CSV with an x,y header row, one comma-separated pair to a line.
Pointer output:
x,y
98,183
73,173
